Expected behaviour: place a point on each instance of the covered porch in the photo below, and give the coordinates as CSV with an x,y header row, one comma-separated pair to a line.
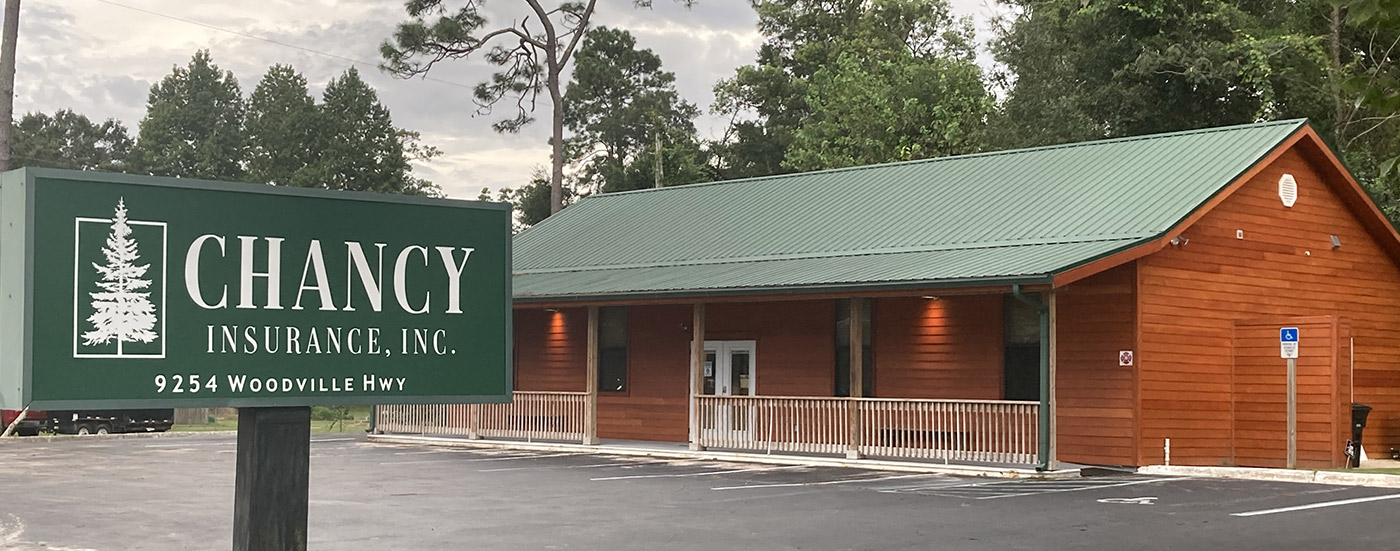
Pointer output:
x,y
964,375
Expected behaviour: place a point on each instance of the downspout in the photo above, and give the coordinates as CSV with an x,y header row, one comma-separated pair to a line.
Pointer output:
x,y
1043,419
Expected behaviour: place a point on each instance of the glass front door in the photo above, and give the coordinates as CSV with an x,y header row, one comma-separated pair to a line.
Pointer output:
x,y
729,371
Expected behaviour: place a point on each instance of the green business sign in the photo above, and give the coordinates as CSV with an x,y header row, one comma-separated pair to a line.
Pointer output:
x,y
131,291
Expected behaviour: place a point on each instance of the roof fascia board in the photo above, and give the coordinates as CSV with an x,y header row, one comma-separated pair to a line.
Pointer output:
x,y
1090,267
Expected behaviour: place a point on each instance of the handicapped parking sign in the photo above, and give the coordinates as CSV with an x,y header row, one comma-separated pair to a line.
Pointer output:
x,y
1288,343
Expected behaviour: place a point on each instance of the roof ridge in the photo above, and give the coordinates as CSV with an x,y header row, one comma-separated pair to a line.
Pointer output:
x,y
848,253
1195,131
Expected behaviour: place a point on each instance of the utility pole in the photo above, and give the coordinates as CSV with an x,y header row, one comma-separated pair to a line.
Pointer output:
x,y
660,172
7,80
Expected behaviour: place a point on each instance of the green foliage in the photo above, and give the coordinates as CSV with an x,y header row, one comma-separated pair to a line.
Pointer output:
x,y
1371,76
198,126
284,130
896,109
1079,70
530,201
624,113
194,124
364,151
797,106
69,140
328,413
1085,70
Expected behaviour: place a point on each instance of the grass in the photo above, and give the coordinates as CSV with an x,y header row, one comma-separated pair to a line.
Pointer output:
x,y
356,420
1388,470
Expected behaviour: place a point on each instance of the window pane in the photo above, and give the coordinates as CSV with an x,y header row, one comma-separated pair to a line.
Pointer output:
x,y
843,348
1022,322
612,349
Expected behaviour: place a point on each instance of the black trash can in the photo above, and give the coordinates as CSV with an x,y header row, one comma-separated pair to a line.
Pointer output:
x,y
1358,423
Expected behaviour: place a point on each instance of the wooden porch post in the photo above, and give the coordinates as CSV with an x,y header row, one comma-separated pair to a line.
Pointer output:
x,y
1054,462
697,372
590,401
857,374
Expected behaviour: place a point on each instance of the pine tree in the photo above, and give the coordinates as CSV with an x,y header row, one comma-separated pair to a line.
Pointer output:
x,y
123,312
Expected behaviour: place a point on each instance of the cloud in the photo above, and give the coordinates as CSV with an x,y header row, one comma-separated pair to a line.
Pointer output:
x,y
100,59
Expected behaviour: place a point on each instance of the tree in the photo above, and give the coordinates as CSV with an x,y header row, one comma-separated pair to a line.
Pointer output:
x,y
833,45
531,54
530,201
70,140
1085,70
123,312
1363,68
1077,71
364,151
7,80
194,124
896,107
625,114
285,134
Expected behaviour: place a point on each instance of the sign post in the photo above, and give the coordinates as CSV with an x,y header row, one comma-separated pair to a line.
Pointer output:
x,y
121,291
1288,349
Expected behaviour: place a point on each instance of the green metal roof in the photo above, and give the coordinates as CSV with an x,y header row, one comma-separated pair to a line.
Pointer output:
x,y
1004,217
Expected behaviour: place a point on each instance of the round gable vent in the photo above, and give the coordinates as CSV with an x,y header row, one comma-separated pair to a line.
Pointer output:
x,y
1288,190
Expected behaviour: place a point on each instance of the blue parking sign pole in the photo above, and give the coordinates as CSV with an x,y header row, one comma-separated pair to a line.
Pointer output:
x,y
1288,349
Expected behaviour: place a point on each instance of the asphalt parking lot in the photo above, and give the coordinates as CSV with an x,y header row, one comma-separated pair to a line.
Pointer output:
x,y
177,493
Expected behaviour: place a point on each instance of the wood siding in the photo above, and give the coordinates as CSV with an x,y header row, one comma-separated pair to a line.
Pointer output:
x,y
1283,266
550,349
655,406
1259,409
949,348
1095,397
795,356
796,343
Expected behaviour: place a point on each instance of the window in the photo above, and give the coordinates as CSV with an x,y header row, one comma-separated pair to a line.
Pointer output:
x,y
1021,331
612,349
843,348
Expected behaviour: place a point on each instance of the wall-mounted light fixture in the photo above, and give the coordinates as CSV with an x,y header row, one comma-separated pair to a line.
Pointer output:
x,y
552,310
1179,240
930,297
1336,242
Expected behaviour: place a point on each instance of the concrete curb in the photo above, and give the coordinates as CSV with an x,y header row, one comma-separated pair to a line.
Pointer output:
x,y
19,440
872,464
1279,475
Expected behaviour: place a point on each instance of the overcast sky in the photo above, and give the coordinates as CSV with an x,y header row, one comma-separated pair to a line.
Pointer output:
x,y
100,58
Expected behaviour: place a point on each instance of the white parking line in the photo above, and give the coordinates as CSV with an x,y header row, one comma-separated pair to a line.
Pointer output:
x,y
451,460
234,443
1078,489
555,467
706,473
1317,505
825,483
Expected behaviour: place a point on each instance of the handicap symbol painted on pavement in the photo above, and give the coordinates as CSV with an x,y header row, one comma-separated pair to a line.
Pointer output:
x,y
1129,500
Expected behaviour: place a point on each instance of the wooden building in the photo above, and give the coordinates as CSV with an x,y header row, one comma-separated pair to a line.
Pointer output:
x,y
1081,303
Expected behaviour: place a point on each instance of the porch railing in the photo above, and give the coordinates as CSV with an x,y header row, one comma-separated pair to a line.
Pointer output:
x,y
952,430
529,416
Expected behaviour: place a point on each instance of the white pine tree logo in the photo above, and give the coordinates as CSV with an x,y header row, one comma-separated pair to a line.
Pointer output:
x,y
123,309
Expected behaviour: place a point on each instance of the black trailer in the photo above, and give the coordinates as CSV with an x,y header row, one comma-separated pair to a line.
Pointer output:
x,y
106,421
